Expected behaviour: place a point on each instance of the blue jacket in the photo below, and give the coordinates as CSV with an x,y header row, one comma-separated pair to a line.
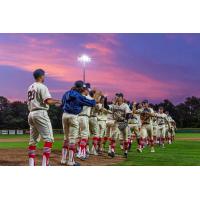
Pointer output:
x,y
73,102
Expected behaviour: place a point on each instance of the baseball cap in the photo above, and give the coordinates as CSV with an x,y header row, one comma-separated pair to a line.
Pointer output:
x,y
88,86
38,73
79,84
119,95
145,101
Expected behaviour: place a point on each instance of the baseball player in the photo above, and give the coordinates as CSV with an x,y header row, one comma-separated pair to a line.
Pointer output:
x,y
155,129
93,122
146,114
39,100
102,119
170,128
121,113
110,125
134,123
162,121
83,119
72,105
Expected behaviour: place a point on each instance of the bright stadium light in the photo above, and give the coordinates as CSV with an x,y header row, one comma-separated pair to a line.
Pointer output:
x,y
84,60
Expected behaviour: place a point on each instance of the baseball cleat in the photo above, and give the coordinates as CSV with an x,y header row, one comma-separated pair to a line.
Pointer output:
x,y
100,152
63,162
94,152
121,147
111,154
73,164
125,155
152,150
83,158
139,150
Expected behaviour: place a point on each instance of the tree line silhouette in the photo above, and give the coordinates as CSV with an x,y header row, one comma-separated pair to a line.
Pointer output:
x,y
13,115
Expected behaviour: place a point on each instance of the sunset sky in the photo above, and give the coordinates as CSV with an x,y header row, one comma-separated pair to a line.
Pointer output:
x,y
152,66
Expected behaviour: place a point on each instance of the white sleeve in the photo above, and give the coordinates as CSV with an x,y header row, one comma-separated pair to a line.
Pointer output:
x,y
128,110
111,106
45,93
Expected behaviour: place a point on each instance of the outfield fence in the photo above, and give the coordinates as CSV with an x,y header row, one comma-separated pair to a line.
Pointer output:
x,y
24,131
60,131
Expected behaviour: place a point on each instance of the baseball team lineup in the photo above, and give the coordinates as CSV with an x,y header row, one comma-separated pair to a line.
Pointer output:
x,y
89,116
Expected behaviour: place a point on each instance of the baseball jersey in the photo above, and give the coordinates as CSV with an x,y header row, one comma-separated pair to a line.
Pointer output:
x,y
154,121
38,93
145,118
134,119
102,113
94,111
170,120
120,111
86,109
161,118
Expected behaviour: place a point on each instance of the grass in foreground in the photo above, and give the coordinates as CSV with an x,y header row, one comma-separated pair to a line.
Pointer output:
x,y
180,153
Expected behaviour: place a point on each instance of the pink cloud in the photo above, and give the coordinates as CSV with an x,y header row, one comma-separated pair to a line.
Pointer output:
x,y
104,73
103,50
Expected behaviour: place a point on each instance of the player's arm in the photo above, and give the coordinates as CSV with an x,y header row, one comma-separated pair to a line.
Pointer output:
x,y
168,122
134,110
84,101
51,101
106,106
47,97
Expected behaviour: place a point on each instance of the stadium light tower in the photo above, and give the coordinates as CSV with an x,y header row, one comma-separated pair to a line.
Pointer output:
x,y
84,60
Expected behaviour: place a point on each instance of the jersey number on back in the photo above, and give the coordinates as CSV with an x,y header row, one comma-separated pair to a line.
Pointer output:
x,y
31,95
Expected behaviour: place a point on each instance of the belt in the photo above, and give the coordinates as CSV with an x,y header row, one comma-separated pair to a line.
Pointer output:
x,y
160,124
93,116
102,120
145,123
37,110
83,115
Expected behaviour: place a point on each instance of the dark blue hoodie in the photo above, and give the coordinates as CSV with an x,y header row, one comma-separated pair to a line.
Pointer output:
x,y
73,102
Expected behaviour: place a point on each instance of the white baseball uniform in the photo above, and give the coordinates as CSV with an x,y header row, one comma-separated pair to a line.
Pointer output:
x,y
38,119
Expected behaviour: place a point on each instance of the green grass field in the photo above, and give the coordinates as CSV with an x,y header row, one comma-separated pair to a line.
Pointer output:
x,y
180,153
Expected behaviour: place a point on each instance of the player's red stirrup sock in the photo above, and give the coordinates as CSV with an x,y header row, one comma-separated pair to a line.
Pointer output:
x,y
46,153
72,148
129,141
105,139
88,147
82,149
152,142
65,149
78,144
141,144
154,139
112,145
125,144
95,142
31,155
99,144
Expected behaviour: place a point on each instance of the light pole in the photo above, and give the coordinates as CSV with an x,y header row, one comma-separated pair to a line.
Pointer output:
x,y
84,59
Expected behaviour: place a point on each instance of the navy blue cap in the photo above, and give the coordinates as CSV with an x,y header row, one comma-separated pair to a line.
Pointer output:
x,y
79,84
145,101
119,95
88,85
38,73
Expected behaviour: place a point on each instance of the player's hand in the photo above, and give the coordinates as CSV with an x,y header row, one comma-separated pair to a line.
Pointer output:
x,y
134,103
58,104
